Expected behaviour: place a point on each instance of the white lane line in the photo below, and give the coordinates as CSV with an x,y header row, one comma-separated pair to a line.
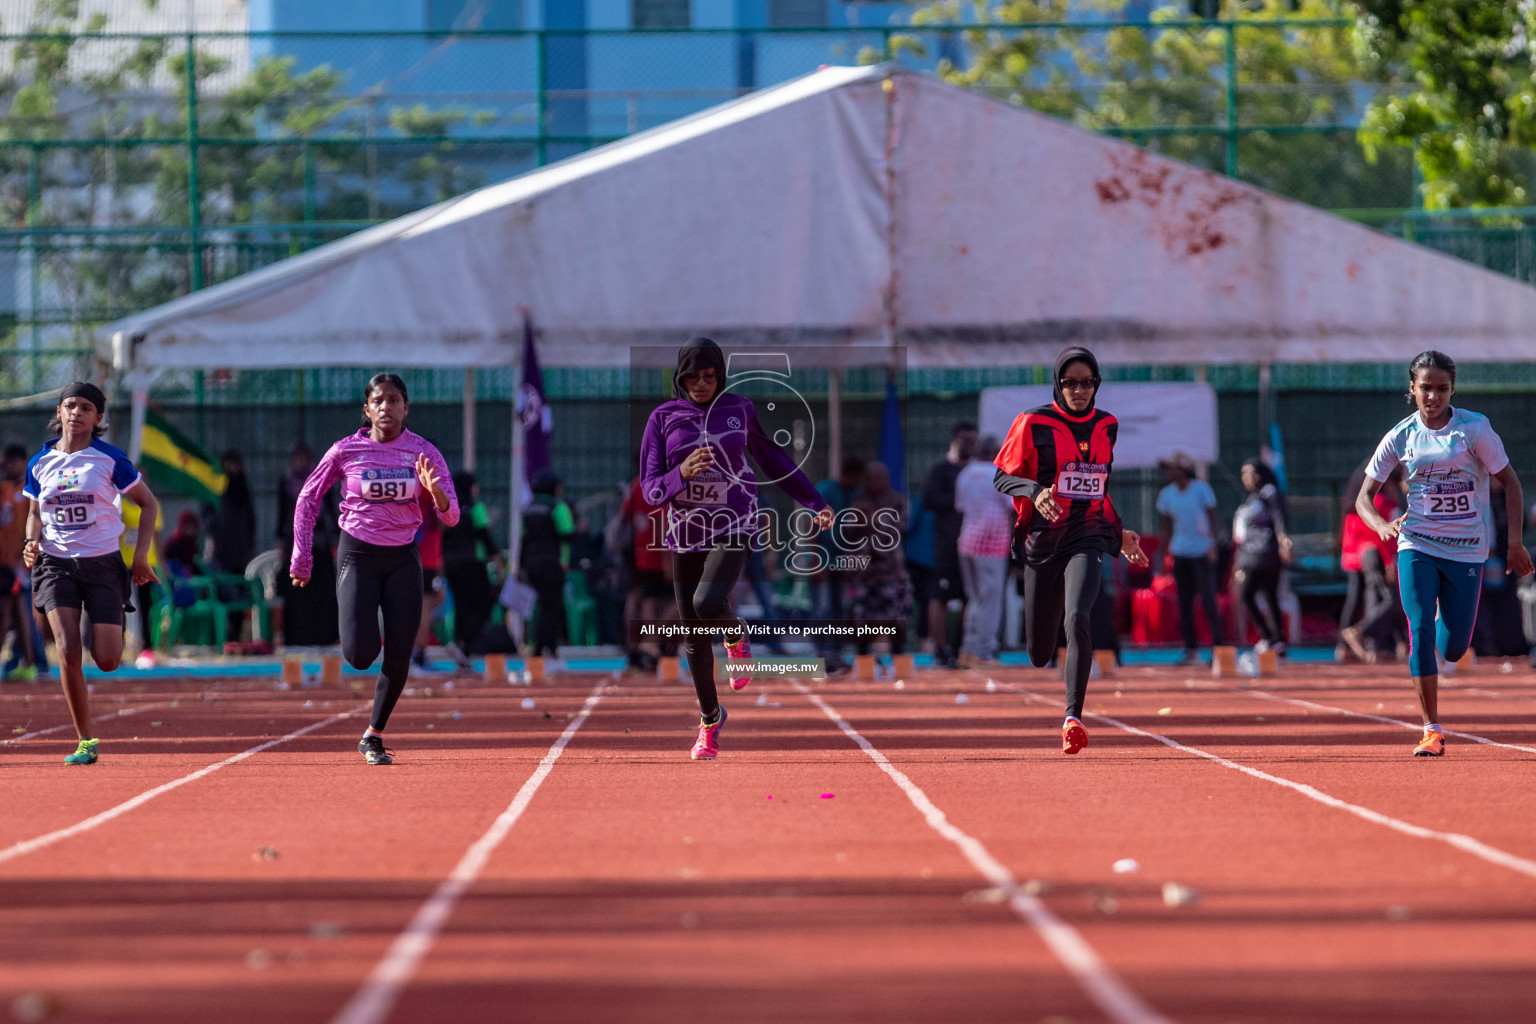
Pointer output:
x,y
1100,983
31,845
124,713
1412,726
1464,843
373,1001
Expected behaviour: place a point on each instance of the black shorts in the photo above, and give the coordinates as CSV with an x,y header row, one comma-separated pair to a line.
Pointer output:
x,y
99,584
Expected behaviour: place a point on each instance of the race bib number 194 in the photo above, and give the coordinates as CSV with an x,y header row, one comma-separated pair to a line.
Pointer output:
x,y
1084,480
704,489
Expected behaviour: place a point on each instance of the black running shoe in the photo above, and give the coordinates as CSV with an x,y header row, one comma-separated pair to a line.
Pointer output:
x,y
372,749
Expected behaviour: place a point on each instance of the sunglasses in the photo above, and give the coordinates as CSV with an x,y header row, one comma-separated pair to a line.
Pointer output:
x,y
1082,384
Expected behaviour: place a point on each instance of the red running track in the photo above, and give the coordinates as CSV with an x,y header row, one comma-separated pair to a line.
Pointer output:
x,y
1339,879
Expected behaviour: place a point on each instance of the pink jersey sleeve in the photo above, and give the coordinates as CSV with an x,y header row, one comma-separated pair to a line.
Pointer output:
x,y
308,507
450,515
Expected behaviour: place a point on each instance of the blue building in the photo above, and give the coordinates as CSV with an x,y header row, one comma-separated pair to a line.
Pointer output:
x,y
601,81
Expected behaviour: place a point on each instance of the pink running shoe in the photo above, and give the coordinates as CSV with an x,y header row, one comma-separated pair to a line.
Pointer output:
x,y
708,744
739,650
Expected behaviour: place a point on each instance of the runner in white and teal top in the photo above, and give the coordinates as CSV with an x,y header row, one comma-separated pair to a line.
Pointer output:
x,y
1444,538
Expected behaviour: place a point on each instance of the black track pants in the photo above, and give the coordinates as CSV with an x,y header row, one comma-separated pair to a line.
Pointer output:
x,y
1060,593
702,582
369,579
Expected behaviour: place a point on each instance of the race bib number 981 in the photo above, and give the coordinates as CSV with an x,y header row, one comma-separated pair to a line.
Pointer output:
x,y
1449,501
388,485
1084,480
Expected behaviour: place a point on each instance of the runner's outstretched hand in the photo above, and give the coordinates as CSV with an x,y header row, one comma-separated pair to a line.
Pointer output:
x,y
1130,547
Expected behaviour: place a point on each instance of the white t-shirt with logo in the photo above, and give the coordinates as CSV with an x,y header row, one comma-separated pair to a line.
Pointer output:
x,y
1448,471
1190,511
79,497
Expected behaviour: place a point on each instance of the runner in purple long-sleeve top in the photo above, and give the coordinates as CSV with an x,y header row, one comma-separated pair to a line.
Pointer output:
x,y
384,468
693,462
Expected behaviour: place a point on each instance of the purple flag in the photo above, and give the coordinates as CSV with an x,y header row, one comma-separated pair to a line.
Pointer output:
x,y
532,410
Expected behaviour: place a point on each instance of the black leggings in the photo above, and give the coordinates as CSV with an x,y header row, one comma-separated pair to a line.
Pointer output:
x,y
702,582
1060,593
371,577
1263,580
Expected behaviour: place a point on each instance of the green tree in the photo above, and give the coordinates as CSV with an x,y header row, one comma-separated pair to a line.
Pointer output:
x,y
1167,87
1470,115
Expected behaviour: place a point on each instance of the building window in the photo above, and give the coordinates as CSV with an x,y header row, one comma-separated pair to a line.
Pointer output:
x,y
796,13
662,13
468,15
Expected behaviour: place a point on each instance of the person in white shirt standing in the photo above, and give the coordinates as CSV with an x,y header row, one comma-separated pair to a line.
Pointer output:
x,y
986,535
1187,510
75,518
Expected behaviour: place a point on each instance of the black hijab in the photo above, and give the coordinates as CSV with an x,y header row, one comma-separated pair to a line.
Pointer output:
x,y
1073,355
698,354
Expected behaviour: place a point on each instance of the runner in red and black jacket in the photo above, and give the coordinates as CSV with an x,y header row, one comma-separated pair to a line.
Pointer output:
x,y
1055,465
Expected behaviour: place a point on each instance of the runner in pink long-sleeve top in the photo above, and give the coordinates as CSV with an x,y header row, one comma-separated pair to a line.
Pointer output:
x,y
384,468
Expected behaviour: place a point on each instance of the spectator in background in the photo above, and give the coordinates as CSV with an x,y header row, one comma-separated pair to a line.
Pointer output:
x,y
946,585
233,523
1372,581
832,584
1186,509
986,537
310,616
15,581
649,596
181,549
880,590
919,552
468,551
429,541
1263,549
547,529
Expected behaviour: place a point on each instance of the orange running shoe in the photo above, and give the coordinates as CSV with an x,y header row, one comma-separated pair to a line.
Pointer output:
x,y
1073,736
1432,745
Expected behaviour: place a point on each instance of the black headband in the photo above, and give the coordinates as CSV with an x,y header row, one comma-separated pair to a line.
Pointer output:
x,y
88,391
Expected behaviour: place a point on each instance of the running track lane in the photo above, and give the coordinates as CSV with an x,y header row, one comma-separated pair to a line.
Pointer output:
x,y
1376,921
204,928
643,887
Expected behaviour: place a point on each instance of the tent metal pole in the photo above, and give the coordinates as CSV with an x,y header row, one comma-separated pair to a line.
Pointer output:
x,y
470,441
139,381
515,484
834,420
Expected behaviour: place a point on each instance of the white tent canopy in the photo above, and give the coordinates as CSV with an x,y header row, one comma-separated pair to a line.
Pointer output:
x,y
848,211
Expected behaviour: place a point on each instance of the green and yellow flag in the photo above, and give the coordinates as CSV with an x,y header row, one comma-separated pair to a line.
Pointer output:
x,y
173,460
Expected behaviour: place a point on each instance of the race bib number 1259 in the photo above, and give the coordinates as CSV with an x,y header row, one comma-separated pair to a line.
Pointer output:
x,y
1084,480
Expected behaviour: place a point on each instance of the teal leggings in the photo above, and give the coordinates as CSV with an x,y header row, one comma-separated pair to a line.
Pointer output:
x,y
1425,581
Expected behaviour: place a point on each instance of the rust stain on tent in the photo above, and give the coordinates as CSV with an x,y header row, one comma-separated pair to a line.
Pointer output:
x,y
1185,217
